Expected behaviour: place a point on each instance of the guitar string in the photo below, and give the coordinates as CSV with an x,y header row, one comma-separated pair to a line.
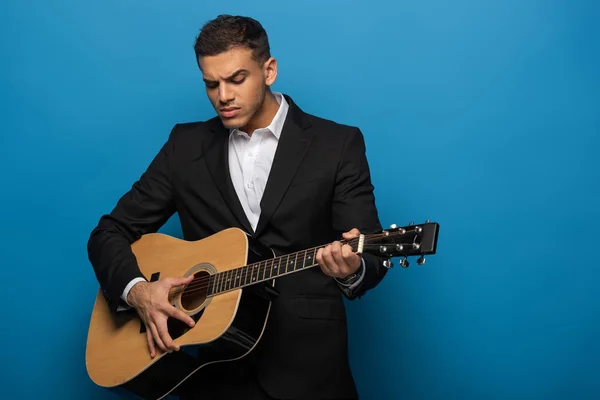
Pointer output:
x,y
203,280
202,283
257,271
199,282
188,291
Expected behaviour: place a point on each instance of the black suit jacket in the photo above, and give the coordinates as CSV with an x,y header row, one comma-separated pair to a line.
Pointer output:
x,y
319,186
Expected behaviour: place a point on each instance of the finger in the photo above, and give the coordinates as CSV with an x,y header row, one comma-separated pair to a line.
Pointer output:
x,y
156,337
336,252
330,262
150,343
161,326
351,234
319,258
174,312
322,262
179,281
348,253
350,257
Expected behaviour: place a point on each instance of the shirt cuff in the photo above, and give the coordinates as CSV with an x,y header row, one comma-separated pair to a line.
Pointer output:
x,y
126,292
358,281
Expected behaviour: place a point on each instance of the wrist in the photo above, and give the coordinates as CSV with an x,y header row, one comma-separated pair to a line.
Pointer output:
x,y
135,293
353,277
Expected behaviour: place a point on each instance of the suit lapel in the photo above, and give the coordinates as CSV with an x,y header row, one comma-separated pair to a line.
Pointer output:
x,y
217,159
293,143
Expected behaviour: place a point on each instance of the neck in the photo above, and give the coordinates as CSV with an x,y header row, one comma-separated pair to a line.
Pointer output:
x,y
264,115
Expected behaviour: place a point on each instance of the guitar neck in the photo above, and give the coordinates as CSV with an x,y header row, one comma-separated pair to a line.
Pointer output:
x,y
411,240
262,271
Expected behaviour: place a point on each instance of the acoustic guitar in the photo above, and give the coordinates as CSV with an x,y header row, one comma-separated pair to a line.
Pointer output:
x,y
229,298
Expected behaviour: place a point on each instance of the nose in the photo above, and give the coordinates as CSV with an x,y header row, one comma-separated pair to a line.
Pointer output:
x,y
225,94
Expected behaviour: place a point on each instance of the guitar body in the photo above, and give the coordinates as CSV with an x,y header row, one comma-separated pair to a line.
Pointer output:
x,y
229,298
228,325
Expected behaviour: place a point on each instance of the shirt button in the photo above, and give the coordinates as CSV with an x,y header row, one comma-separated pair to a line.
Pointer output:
x,y
251,154
249,185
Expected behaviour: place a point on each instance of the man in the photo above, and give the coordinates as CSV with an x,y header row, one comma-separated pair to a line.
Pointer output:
x,y
291,180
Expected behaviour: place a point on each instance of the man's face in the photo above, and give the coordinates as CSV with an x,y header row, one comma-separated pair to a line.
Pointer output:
x,y
235,84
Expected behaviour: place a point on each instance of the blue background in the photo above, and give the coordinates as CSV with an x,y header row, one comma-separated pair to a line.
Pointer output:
x,y
481,115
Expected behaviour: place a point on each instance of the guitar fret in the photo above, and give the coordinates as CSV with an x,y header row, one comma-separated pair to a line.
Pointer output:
x,y
299,264
254,272
311,258
270,274
247,269
267,270
229,275
211,281
218,282
287,262
262,270
278,264
238,275
222,282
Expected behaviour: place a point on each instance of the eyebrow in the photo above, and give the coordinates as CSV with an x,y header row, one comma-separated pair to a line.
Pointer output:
x,y
230,77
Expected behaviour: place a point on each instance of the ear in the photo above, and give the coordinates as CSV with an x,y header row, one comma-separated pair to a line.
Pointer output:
x,y
270,71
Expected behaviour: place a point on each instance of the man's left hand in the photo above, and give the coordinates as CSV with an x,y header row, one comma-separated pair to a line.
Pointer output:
x,y
339,261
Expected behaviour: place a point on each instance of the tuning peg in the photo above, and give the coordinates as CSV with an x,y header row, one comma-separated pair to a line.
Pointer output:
x,y
428,221
393,226
421,260
382,249
404,263
388,264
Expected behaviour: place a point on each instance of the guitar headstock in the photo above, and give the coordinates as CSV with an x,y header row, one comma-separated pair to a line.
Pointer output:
x,y
405,241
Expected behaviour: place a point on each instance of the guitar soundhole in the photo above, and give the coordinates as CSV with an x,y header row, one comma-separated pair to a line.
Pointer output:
x,y
194,295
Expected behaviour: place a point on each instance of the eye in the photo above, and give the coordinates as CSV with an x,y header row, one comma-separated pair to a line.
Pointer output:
x,y
239,80
212,85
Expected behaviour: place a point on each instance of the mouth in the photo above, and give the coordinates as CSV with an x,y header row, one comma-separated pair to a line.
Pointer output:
x,y
229,112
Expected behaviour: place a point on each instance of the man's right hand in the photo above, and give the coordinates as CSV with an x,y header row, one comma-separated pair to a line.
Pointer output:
x,y
151,300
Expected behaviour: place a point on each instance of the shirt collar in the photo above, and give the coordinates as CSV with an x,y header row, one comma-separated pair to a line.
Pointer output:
x,y
276,125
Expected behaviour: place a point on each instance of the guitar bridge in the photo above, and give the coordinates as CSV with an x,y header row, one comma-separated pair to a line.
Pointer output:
x,y
361,244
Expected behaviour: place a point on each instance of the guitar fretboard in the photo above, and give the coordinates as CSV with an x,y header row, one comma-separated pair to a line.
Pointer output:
x,y
262,271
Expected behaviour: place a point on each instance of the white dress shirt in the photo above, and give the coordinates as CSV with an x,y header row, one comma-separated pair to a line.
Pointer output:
x,y
250,160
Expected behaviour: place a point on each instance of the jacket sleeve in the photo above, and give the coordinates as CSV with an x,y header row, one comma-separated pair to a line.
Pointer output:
x,y
354,207
143,209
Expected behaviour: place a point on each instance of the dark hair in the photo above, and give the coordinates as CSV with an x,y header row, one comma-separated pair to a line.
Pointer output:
x,y
227,31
